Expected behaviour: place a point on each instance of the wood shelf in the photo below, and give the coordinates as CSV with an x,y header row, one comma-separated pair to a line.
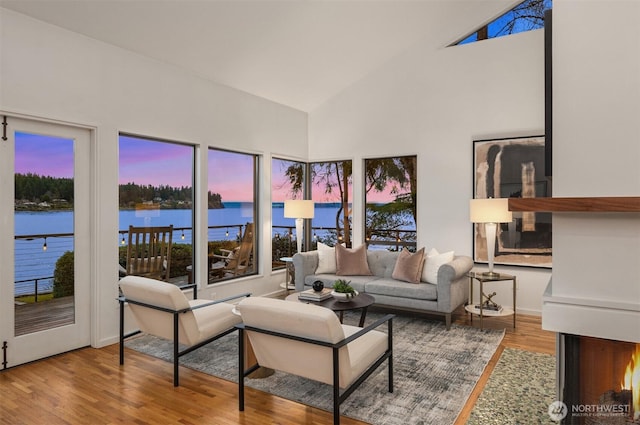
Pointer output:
x,y
596,204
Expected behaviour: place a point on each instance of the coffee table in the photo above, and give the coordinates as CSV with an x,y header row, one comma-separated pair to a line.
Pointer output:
x,y
362,301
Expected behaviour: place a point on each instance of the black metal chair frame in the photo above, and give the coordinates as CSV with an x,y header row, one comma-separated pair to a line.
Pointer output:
x,y
176,314
337,397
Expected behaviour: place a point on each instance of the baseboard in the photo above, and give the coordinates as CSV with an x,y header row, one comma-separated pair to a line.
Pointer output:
x,y
529,312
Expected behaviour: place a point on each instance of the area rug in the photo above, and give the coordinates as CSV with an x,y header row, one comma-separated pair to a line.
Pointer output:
x,y
519,391
435,371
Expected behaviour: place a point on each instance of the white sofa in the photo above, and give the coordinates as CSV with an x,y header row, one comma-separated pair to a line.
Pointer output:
x,y
443,297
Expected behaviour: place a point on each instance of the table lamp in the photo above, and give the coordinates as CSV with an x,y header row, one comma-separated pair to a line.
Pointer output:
x,y
299,209
490,212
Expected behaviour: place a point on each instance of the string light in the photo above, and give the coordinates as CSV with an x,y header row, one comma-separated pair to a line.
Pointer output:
x,y
44,247
227,233
182,236
122,242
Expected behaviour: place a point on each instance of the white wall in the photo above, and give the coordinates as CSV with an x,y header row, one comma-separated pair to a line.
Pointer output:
x,y
429,103
596,152
434,104
59,75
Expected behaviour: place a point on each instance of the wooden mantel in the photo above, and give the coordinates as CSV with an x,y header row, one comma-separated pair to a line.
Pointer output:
x,y
597,204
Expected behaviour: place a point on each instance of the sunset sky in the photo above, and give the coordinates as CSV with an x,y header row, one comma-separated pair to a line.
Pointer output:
x,y
151,162
44,155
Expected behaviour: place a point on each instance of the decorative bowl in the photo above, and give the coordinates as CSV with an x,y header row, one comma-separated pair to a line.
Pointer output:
x,y
344,297
318,285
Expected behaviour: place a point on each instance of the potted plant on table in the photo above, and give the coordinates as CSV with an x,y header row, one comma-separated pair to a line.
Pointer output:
x,y
342,291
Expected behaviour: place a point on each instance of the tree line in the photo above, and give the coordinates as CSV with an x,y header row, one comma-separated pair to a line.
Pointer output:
x,y
33,188
167,196
132,194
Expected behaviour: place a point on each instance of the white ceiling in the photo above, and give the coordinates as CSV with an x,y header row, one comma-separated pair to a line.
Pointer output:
x,y
295,52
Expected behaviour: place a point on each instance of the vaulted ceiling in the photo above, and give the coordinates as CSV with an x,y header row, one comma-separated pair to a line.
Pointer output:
x,y
295,52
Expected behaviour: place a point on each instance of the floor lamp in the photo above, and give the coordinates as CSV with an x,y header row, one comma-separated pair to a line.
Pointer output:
x,y
490,212
299,209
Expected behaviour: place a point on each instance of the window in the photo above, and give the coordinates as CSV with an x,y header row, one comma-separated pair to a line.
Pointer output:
x,y
390,199
332,192
156,189
232,235
526,16
288,180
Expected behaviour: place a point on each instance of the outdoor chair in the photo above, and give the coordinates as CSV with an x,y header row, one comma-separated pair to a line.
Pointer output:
x,y
149,252
235,262
163,310
309,341
232,262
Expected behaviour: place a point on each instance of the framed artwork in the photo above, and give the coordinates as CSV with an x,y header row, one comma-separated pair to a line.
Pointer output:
x,y
513,168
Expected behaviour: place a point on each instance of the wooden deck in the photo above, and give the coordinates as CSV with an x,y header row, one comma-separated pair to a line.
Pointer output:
x,y
34,317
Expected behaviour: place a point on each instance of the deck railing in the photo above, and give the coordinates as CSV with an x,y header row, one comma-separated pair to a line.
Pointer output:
x,y
52,246
23,289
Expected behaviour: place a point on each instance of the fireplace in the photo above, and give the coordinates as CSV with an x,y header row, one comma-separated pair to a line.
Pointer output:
x,y
599,380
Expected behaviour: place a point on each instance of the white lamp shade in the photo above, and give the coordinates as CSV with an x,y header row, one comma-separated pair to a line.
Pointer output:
x,y
298,208
492,210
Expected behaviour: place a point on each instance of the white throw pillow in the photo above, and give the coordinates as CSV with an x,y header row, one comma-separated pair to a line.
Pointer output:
x,y
326,259
432,264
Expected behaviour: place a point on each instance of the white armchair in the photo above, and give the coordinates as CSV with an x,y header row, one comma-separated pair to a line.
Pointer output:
x,y
163,310
309,341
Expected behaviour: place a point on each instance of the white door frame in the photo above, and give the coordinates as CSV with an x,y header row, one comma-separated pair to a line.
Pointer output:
x,y
37,345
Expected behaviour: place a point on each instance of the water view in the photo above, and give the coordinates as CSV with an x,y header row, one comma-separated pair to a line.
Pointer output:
x,y
33,261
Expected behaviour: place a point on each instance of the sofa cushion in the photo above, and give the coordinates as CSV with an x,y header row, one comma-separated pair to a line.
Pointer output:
x,y
352,262
397,288
432,263
381,262
408,266
326,259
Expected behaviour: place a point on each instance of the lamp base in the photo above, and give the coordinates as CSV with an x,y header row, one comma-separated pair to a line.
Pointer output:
x,y
299,233
490,274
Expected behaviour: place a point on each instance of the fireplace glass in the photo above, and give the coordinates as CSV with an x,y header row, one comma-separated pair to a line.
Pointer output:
x,y
599,380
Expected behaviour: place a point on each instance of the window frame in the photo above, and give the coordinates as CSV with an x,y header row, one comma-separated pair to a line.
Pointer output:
x,y
388,208
240,233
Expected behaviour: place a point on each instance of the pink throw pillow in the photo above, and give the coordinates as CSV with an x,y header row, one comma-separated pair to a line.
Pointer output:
x,y
352,262
408,266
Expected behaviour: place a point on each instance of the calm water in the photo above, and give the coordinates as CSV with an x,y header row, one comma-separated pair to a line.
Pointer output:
x,y
32,262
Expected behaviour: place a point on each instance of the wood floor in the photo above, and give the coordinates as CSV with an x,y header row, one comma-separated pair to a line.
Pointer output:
x,y
88,386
